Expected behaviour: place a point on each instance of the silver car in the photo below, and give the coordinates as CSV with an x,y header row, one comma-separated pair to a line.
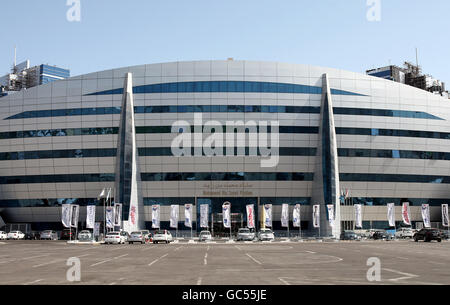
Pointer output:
x,y
205,236
266,235
137,237
85,235
244,234
49,235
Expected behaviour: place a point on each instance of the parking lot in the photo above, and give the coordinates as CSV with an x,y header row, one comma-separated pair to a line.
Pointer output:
x,y
276,263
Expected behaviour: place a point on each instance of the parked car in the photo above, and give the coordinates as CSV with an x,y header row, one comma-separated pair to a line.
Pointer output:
x,y
33,235
15,235
350,235
85,235
49,235
404,233
115,238
67,234
205,236
3,235
445,234
370,232
137,237
245,234
266,235
162,236
428,234
383,235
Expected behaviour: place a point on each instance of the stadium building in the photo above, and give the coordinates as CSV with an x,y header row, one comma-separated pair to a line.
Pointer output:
x,y
260,133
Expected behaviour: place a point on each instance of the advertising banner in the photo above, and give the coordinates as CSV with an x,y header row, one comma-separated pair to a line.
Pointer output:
x,y
405,214
74,214
268,215
358,216
426,215
296,216
155,216
250,216
174,215
226,214
445,222
330,210
285,215
66,218
117,214
90,216
110,217
204,213
316,216
188,215
391,214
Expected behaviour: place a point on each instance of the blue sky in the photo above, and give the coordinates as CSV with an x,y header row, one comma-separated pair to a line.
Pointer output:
x,y
332,33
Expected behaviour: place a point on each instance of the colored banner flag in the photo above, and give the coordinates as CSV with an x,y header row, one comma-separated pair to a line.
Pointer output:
x,y
133,215
90,216
405,214
391,214
330,210
445,221
66,218
358,215
316,216
174,215
156,216
268,215
226,214
74,215
204,213
188,215
285,215
110,217
97,229
426,215
250,216
296,220
118,215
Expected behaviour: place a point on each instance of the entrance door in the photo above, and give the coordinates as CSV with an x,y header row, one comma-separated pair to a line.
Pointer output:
x,y
237,221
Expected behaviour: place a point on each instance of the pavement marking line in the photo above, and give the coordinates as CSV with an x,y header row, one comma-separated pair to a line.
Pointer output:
x,y
176,249
34,282
311,252
158,259
101,262
205,260
121,256
406,276
255,260
283,281
237,247
49,263
199,282
404,258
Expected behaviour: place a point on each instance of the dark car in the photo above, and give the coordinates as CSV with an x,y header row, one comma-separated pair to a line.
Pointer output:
x,y
428,234
68,234
381,235
445,234
32,236
350,235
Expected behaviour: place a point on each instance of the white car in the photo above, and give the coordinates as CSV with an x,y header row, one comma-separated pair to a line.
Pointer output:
x,y
162,236
15,235
205,236
404,233
115,238
3,235
245,234
266,235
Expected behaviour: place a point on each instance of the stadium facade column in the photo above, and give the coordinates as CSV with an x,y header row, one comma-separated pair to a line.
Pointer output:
x,y
326,176
127,174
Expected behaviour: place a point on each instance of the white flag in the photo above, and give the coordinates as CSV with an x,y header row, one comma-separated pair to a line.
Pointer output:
x,y
102,194
268,215
358,215
391,214
330,210
226,214
316,216
188,215
74,214
445,221
66,218
405,214
250,216
174,214
285,215
110,217
155,216
296,216
204,213
90,216
426,215
117,214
